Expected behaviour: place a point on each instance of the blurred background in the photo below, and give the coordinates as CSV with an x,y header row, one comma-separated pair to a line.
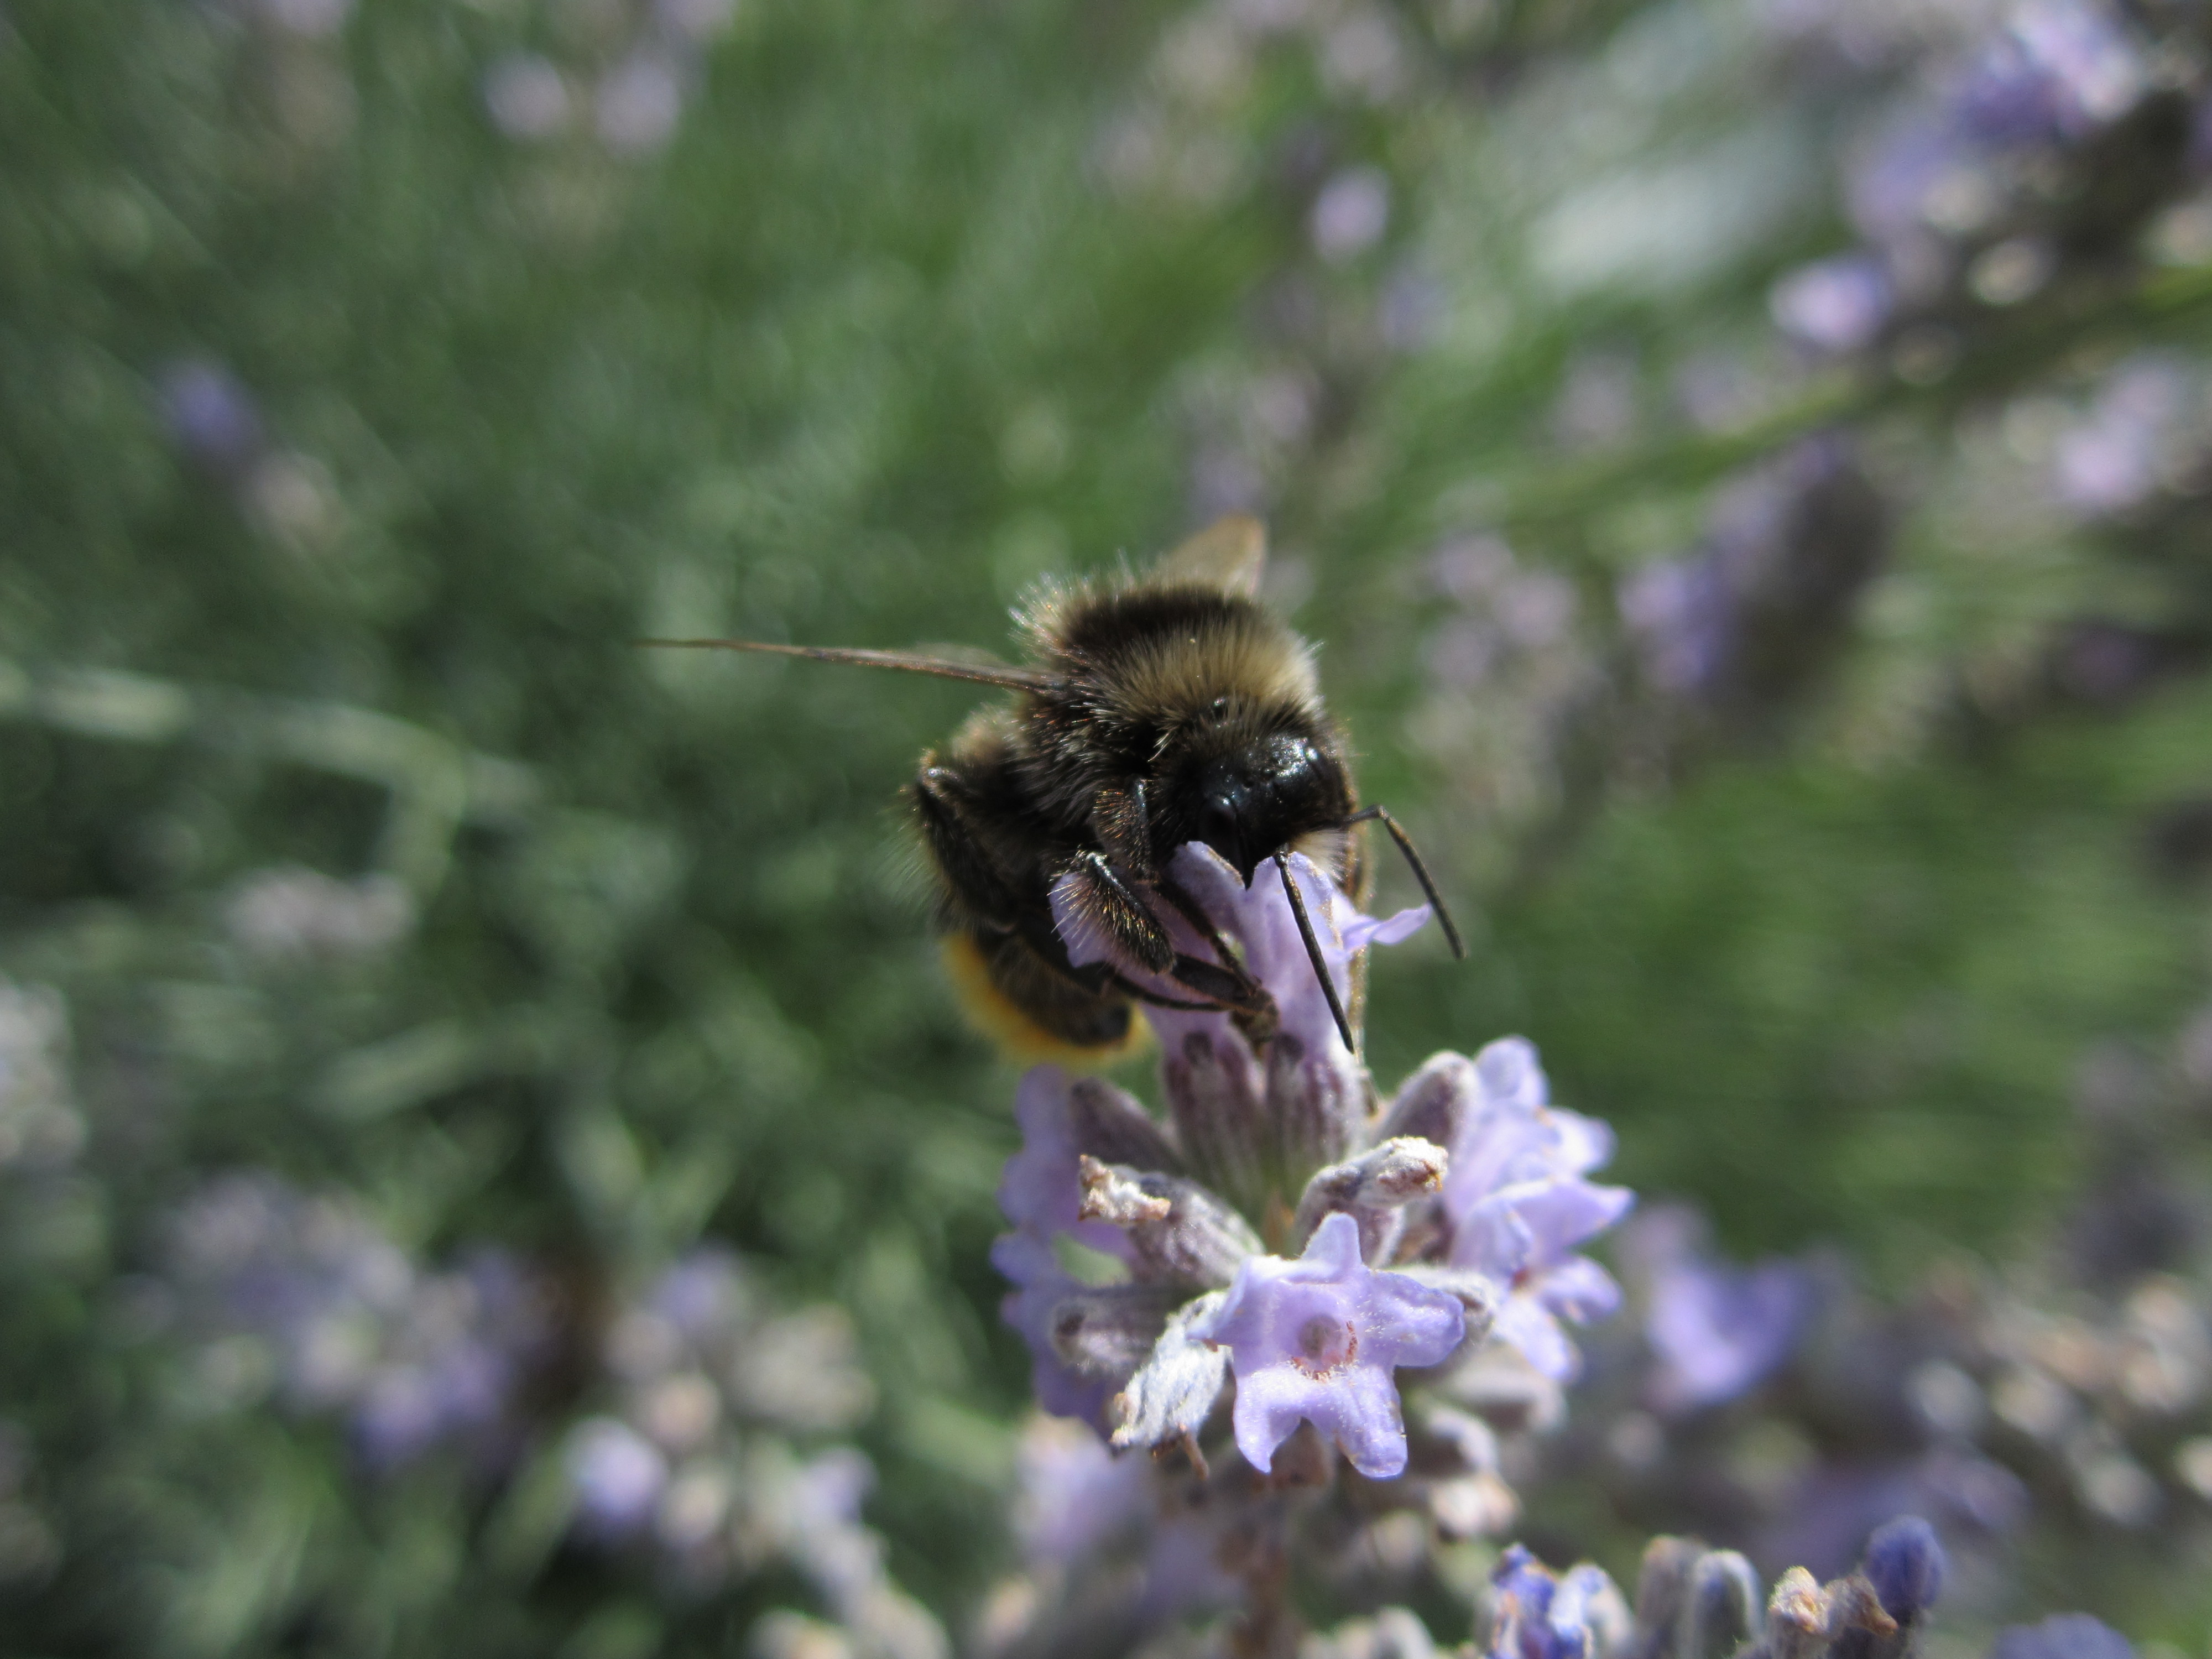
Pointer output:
x,y
489,1162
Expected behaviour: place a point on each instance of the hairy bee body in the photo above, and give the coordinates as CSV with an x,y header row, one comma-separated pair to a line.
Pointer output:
x,y
1178,710
1155,710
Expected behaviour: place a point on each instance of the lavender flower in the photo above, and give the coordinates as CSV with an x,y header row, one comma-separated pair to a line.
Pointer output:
x,y
1469,1180
1276,1236
1259,918
1744,625
2058,70
351,1324
1516,1204
1716,1332
1317,1340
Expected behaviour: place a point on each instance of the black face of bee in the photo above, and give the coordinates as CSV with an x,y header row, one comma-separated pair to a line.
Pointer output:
x,y
1255,802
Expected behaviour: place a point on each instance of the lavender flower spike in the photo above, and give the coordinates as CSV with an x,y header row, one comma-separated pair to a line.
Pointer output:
x,y
1517,1205
1317,1340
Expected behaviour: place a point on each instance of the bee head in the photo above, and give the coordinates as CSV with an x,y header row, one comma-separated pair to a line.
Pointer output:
x,y
1256,801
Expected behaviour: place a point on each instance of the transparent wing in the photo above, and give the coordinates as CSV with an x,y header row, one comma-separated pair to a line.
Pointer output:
x,y
1229,554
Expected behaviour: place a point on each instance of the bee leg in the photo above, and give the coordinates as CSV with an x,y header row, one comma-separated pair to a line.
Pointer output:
x,y
1173,892
973,882
1123,825
1110,902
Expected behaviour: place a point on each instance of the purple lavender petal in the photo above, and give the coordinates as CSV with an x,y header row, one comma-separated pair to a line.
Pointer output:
x,y
1524,1322
1516,1204
1026,1258
1041,1190
1259,918
1578,1289
1317,1338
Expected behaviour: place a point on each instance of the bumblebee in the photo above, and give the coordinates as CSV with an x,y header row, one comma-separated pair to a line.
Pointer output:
x,y
1155,710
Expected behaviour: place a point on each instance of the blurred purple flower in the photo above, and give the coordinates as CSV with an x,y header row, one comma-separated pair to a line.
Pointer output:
x,y
703,1295
1748,619
1318,1339
1041,1193
1682,615
615,1474
1350,214
1075,1494
1718,1331
2113,460
1538,1615
1919,159
210,416
1835,306
2058,70
1516,1204
412,1358
2062,1636
639,102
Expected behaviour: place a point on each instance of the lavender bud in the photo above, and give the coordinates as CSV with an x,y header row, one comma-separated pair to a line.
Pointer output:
x,y
1172,1393
1473,1506
1373,1189
1214,1086
1432,1103
1110,1331
1319,1102
1905,1565
1478,1293
1662,1586
1722,1609
1182,1231
1454,1442
1796,1618
1856,1620
1113,1126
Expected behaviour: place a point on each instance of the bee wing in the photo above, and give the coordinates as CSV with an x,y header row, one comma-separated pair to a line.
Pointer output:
x,y
1229,554
980,671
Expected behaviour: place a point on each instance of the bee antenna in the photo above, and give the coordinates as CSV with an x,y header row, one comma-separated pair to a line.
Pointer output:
x,y
1420,872
1312,952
